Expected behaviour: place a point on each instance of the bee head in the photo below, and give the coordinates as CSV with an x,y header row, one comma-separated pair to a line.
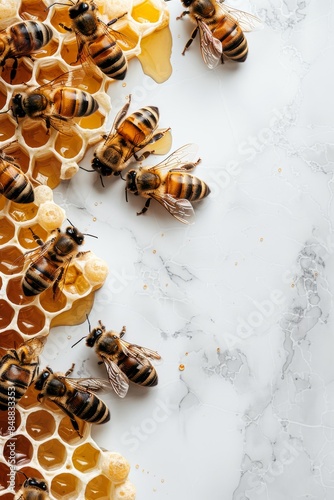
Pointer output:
x,y
102,168
131,184
41,485
78,9
75,234
17,108
186,3
93,336
39,384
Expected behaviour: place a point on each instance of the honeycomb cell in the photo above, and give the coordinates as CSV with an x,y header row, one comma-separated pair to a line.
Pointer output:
x,y
6,314
19,449
95,120
35,133
51,454
68,434
65,486
23,73
85,457
20,155
26,236
9,339
26,472
7,496
47,170
21,213
15,293
7,230
69,52
11,260
4,475
60,16
5,429
30,320
129,39
68,146
98,488
49,303
3,95
40,425
7,128
49,71
36,8
29,399
145,12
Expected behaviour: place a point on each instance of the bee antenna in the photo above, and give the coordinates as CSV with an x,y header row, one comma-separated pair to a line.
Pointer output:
x,y
86,169
126,195
92,235
23,473
58,3
78,341
68,220
89,326
123,178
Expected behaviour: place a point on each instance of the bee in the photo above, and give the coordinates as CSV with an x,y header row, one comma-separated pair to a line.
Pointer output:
x,y
49,262
124,361
170,184
22,39
14,184
221,30
126,138
75,397
56,102
97,43
18,369
33,489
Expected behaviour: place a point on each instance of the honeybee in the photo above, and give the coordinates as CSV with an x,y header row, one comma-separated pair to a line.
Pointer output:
x,y
124,361
126,138
50,261
14,184
57,102
18,369
22,39
97,43
33,489
170,184
220,29
74,396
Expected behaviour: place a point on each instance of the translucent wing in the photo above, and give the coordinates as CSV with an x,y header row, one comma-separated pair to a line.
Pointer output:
x,y
247,21
118,380
138,351
87,384
181,209
181,159
211,47
69,79
60,123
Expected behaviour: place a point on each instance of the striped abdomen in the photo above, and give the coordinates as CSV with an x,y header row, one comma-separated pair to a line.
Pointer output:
x,y
230,34
88,407
16,376
138,127
139,371
14,184
182,185
108,57
70,102
39,276
28,37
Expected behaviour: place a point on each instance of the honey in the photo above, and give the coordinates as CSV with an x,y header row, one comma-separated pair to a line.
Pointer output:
x,y
23,74
65,486
98,489
59,15
23,449
48,302
4,430
51,454
10,260
7,230
36,8
4,475
155,55
28,401
29,472
40,425
30,320
68,146
15,294
25,236
145,12
67,433
22,213
34,133
94,121
85,457
7,128
47,170
9,339
50,71
6,314
69,52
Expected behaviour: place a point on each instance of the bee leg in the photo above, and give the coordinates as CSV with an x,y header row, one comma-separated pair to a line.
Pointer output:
x,y
184,13
74,423
190,41
66,28
70,370
55,286
147,204
38,240
156,137
13,70
122,332
116,19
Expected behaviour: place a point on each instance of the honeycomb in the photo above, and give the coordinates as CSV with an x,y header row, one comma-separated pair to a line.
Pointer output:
x,y
51,156
46,445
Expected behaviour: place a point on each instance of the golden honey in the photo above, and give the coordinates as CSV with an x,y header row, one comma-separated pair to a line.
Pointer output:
x,y
51,454
7,230
65,486
40,425
23,449
30,320
6,314
85,457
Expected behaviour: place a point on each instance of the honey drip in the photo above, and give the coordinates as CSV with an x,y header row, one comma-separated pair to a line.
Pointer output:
x,y
156,50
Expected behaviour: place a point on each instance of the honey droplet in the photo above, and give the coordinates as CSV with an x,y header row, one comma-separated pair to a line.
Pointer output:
x,y
261,239
279,170
181,367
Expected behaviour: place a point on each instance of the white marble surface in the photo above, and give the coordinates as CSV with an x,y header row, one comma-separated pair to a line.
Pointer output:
x,y
244,297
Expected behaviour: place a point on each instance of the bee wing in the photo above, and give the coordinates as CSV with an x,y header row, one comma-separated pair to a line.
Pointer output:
x,y
181,209
211,47
32,255
247,21
87,384
118,380
138,351
177,160
69,79
61,124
